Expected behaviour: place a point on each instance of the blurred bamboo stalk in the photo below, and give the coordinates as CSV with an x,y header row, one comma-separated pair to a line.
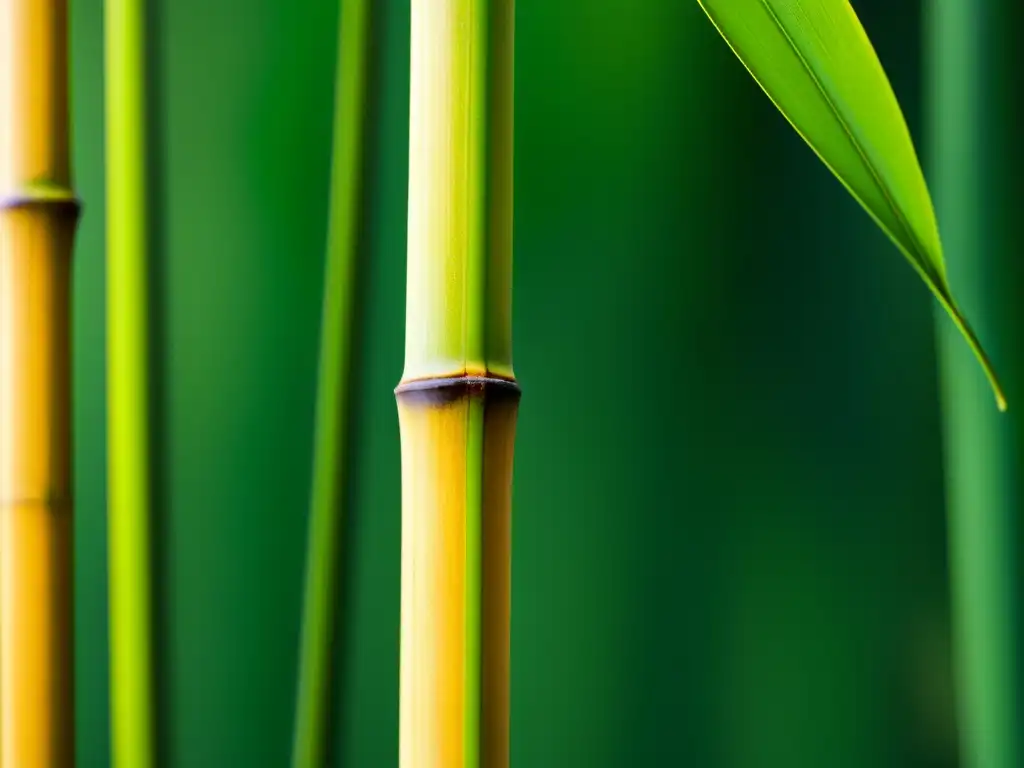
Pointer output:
x,y
333,408
976,108
458,399
38,215
130,577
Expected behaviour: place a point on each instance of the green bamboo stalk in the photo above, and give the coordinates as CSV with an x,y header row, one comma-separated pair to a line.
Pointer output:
x,y
130,578
458,399
332,409
972,49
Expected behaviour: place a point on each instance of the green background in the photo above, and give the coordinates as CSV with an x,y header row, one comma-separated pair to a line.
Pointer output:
x,y
729,534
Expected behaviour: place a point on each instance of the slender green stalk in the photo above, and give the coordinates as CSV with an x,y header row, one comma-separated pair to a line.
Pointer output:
x,y
332,409
974,59
458,399
131,666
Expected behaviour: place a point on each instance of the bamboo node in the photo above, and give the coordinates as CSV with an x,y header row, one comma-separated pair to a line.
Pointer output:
x,y
43,195
450,388
50,503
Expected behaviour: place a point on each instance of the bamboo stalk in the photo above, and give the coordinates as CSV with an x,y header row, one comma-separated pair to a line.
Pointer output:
x,y
38,214
458,399
977,163
131,672
333,406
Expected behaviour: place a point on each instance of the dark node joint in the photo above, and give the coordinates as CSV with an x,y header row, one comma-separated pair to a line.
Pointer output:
x,y
448,390
70,206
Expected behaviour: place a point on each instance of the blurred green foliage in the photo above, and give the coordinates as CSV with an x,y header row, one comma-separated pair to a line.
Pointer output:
x,y
729,538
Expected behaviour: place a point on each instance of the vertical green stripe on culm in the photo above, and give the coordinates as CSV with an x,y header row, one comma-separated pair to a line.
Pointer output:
x,y
474,574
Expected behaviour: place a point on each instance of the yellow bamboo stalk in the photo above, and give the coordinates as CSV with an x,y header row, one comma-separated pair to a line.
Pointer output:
x,y
458,399
38,213
457,446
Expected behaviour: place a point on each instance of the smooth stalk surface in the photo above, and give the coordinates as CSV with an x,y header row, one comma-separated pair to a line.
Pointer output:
x,y
333,416
458,398
976,107
130,579
38,213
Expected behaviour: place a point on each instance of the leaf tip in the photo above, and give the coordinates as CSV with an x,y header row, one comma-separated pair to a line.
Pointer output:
x,y
990,373
960,321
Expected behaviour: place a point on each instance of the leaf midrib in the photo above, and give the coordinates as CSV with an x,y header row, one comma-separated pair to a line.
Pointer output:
x,y
919,253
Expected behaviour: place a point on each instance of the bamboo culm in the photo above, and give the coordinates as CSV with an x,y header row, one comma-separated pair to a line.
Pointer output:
x,y
38,215
458,399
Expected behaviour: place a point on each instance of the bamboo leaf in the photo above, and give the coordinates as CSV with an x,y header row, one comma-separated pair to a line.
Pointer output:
x,y
815,62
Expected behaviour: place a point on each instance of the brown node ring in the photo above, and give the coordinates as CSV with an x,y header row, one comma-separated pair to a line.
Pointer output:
x,y
446,390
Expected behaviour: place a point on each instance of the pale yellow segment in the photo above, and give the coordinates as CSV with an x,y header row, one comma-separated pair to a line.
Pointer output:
x,y
36,640
36,664
36,232
434,611
35,358
33,93
433,584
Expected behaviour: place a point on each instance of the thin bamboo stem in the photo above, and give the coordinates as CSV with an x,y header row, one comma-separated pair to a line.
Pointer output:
x,y
458,399
38,213
131,672
333,407
977,165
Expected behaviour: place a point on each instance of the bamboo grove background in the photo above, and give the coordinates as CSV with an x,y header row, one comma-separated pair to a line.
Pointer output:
x,y
729,524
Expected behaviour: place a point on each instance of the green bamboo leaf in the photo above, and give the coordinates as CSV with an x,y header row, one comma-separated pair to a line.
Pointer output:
x,y
815,62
